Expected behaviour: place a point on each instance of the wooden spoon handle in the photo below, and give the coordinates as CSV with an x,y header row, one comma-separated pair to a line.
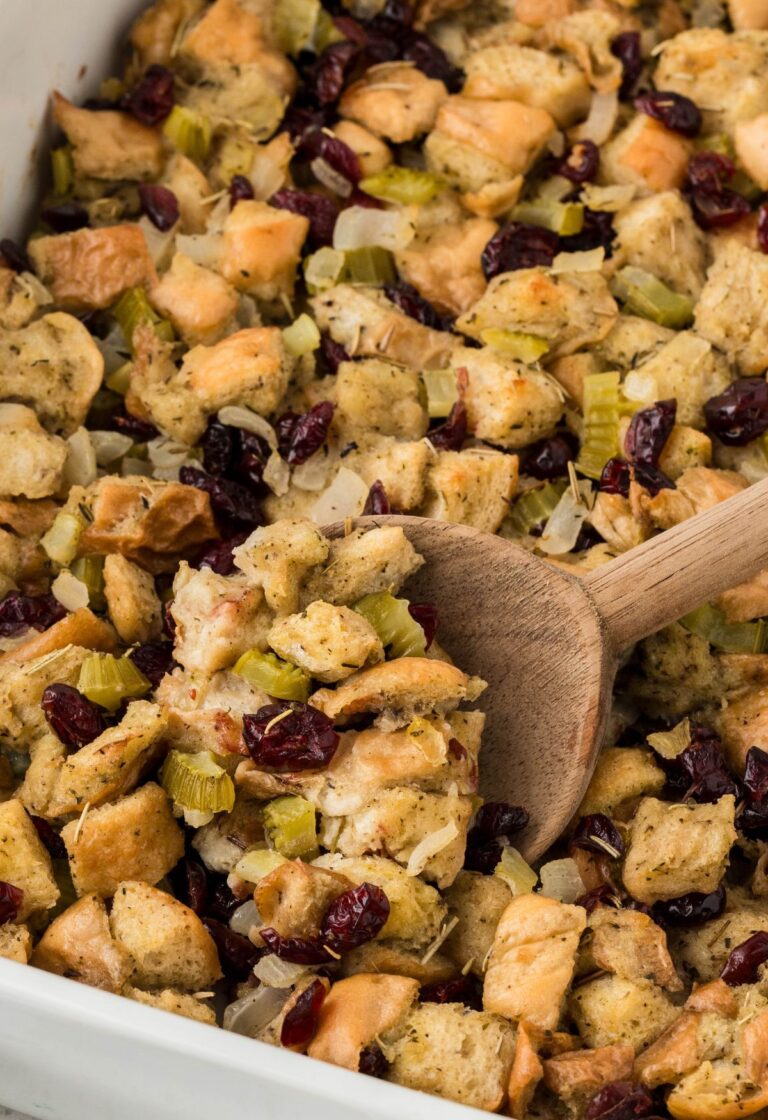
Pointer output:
x,y
675,572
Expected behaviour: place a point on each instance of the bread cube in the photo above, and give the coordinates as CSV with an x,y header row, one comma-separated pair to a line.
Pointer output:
x,y
217,619
399,465
24,861
577,1075
611,1011
621,775
178,1003
261,249
689,369
748,15
629,944
132,601
698,488
732,311
79,944
377,396
249,367
193,194
471,487
742,724
156,30
329,643
508,403
658,234
443,262
32,465
22,687
88,270
372,153
200,304
701,951
222,842
356,1012
535,77
363,563
398,959
15,943
646,155
294,897
685,447
746,601
395,100
588,36
107,144
277,557
478,901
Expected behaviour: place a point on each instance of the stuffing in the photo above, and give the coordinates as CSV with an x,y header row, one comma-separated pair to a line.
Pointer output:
x,y
249,368
398,959
677,673
588,37
79,943
179,1003
161,392
168,943
456,1053
132,601
363,563
611,1011
443,263
629,944
107,144
621,776
746,601
206,713
659,234
261,246
685,447
221,843
133,838
472,487
294,898
646,155
373,154
742,724
89,269
155,31
277,557
542,80
748,15
701,951
193,194
751,142
395,100
400,466
217,619
358,1011
577,1075
329,643
200,304
479,902
377,396
613,516
508,403
32,464
533,959
698,488
24,861
21,297
688,368
82,627
55,367
630,342
237,34
15,943
677,848
368,325
526,1072
253,95
272,1032
731,309
569,310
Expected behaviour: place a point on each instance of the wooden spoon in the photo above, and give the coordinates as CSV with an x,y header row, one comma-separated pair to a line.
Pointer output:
x,y
548,643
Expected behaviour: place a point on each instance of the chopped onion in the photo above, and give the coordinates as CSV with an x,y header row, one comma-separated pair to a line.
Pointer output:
x,y
563,527
266,176
612,198
277,474
640,387
159,243
27,282
358,227
114,350
345,497
560,879
168,456
245,917
278,974
71,592
202,248
603,114
324,268
430,846
302,337
669,744
588,260
254,1011
80,465
312,475
515,872
238,416
110,446
330,177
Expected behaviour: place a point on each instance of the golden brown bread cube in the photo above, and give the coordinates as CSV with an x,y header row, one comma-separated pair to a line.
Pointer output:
x,y
443,262
15,943
742,724
33,461
471,487
534,77
478,901
508,403
377,396
277,557
261,249
79,944
629,944
217,619
398,959
22,687
108,144
363,563
356,1012
647,155
24,860
80,628
200,304
294,898
621,775
329,643
132,601
577,1075
610,1011
156,29
89,269
731,311
395,100
133,838
249,367
701,951
178,1003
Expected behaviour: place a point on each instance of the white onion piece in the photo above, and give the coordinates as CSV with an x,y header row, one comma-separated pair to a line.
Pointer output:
x,y
278,974
29,283
70,591
159,243
109,446
114,350
202,248
331,178
166,452
312,475
611,198
238,416
560,879
266,176
357,227
589,260
277,474
430,846
80,465
603,113
345,497
564,524
254,1011
640,387
245,917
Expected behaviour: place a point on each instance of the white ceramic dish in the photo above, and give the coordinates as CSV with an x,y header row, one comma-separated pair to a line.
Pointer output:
x,y
68,1052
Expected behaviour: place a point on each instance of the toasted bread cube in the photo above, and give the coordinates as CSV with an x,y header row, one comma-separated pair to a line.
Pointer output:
x,y
32,465
698,488
232,33
261,249
614,518
456,1053
744,724
471,487
200,304
89,269
78,943
732,311
621,775
277,557
167,941
363,563
372,153
676,848
397,959
746,601
132,601
377,396
217,619
443,263
409,686
178,1003
577,1075
134,838
15,943
161,392
751,140
249,367
395,100
610,1011
222,841
399,465
508,403
46,757
193,194
534,77
329,643
252,96
658,234
82,627
294,898
155,31
646,155
629,944
109,145
478,901
685,447
356,1012
687,368
24,860
748,15
701,951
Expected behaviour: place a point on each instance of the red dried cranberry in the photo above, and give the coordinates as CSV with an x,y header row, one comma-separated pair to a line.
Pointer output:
x,y
11,899
19,612
54,844
596,233
457,750
254,453
580,164
160,205
140,431
195,886
295,950
604,895
325,79
620,1100
372,1061
301,117
700,769
740,413
648,431
481,854
65,217
499,818
219,557
432,61
321,211
518,245
413,304
714,205
240,190
617,475
74,718
547,459
228,499
426,616
745,961
627,48
169,623
762,228
151,99
15,256
597,833
299,437
223,902
338,155
237,954
450,435
303,740
689,909
332,353
301,1022
377,501
154,660
673,110
753,818
218,444
463,989
354,918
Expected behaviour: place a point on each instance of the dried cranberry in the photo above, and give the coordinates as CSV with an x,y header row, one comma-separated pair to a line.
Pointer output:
x,y
218,443
745,961
325,78
295,950
700,769
219,557
54,844
499,818
299,438
303,740
648,432
462,989
194,886
547,459
762,228
237,954
596,233
332,353
689,909
11,899
169,623
154,660
15,256
627,48
372,1061
301,1022
140,431
673,110
518,245
301,118
151,99
426,616
240,190
321,211
753,818
432,61
355,918
377,501
254,454
457,750
228,499
481,854
620,1100
19,612
339,156
597,833
451,435
617,475
65,217
604,895
74,718
223,902
413,304
740,413
580,164
714,205
160,205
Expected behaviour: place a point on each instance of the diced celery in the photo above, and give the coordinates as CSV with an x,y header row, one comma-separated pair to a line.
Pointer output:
x,y
90,569
404,185
398,630
742,184
108,680
644,294
565,218
371,265
234,156
326,32
731,637
719,142
302,337
256,864
63,170
132,309
516,873
324,268
272,675
189,132
196,782
525,347
442,392
295,22
119,380
291,827
63,538
534,507
601,423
